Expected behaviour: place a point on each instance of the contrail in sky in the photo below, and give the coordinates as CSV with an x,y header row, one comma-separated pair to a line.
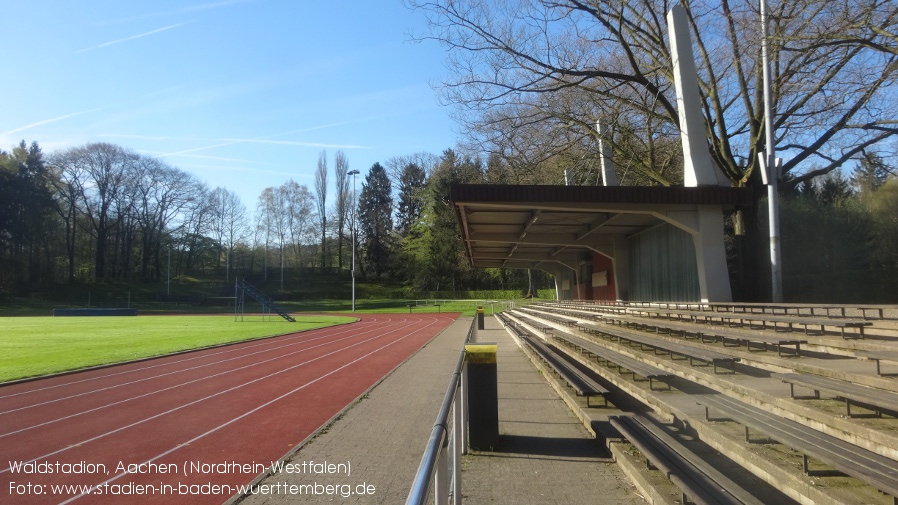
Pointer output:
x,y
119,41
45,121
265,139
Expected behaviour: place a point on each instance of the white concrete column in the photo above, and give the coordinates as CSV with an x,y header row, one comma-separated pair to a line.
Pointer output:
x,y
710,256
699,169
621,262
609,169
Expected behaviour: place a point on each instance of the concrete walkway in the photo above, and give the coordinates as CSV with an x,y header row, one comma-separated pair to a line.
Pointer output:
x,y
382,436
545,454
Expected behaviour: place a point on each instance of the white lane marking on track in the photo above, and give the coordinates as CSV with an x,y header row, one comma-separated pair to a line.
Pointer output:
x,y
230,349
144,395
97,437
247,413
270,349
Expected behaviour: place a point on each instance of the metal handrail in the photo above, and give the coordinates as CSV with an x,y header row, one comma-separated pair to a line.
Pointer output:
x,y
435,453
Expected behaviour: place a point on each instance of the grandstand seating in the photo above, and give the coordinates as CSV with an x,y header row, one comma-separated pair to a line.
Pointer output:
x,y
626,338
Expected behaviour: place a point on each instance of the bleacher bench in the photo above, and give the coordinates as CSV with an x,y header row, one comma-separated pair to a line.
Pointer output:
x,y
765,321
877,356
696,478
689,352
623,363
583,384
555,318
701,332
867,466
850,392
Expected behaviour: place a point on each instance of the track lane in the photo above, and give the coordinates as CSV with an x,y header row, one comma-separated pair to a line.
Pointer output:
x,y
112,392
284,408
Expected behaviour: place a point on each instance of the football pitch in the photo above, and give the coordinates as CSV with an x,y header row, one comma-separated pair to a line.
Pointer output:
x,y
35,346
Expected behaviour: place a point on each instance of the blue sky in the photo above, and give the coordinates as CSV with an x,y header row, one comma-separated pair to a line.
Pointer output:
x,y
244,94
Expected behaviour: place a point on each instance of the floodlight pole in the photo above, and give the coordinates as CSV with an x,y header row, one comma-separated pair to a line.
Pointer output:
x,y
352,223
771,170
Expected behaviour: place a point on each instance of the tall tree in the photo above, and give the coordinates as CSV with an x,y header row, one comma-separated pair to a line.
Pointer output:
x,y
105,169
375,219
162,193
341,169
321,193
396,165
446,262
25,206
300,214
228,224
68,181
411,197
870,174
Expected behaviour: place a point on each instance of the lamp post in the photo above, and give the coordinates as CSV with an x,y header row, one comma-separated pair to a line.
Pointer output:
x,y
770,170
352,223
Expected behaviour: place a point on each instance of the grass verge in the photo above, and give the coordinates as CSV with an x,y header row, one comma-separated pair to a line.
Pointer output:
x,y
35,346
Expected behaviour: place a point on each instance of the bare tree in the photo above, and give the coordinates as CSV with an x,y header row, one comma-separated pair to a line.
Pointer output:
x,y
557,66
229,223
300,215
341,168
321,193
397,164
161,194
68,182
101,171
265,224
195,224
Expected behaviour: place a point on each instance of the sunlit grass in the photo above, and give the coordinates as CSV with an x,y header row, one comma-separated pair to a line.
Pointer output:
x,y
368,306
34,346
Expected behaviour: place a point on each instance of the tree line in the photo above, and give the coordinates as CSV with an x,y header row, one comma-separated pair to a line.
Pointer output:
x,y
103,212
840,235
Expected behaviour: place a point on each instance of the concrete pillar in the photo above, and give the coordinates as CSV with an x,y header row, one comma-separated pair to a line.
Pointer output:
x,y
609,169
621,262
710,256
699,169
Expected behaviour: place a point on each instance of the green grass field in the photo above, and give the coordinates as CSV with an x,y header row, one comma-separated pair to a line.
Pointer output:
x,y
34,346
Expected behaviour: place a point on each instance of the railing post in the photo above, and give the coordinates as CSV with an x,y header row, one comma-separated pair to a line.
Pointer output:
x,y
457,444
464,407
441,477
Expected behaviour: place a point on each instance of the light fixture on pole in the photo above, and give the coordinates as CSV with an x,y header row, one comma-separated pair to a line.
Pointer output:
x,y
352,224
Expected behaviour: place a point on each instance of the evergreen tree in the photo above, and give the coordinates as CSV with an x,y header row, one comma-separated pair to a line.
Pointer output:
x,y
447,264
375,220
411,187
25,210
870,174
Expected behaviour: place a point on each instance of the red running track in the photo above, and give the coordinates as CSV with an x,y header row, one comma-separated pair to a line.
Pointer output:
x,y
246,404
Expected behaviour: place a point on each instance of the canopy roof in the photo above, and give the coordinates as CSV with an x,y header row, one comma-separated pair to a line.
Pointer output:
x,y
517,226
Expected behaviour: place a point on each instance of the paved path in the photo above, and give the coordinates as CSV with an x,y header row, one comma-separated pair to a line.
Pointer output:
x,y
382,436
545,453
